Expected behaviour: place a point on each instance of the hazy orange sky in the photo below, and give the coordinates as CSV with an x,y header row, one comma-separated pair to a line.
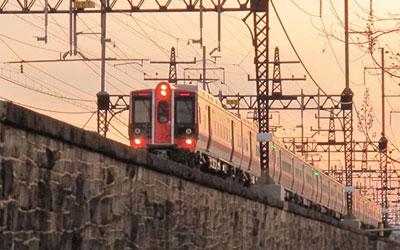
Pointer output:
x,y
136,36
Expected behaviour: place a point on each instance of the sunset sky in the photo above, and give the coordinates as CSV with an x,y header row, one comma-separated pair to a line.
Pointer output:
x,y
316,35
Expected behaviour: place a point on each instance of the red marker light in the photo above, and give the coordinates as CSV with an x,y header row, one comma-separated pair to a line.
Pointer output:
x,y
184,94
137,141
163,89
189,141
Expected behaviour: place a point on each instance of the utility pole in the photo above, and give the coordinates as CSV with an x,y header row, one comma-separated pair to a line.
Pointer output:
x,y
204,68
103,98
103,44
383,149
347,109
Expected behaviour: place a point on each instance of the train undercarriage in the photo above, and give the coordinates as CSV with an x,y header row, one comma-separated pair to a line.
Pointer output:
x,y
204,162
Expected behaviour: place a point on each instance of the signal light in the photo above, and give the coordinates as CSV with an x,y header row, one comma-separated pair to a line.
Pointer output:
x,y
189,141
316,173
137,141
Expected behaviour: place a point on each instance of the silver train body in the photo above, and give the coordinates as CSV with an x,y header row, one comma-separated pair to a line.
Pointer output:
x,y
231,140
224,135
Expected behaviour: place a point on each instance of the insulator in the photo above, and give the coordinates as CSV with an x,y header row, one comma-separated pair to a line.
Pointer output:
x,y
382,144
258,6
103,100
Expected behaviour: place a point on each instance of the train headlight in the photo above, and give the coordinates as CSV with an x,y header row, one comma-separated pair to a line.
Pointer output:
x,y
164,87
137,141
137,131
163,92
188,131
189,141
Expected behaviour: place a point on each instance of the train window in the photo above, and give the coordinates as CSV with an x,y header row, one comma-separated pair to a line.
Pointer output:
x,y
163,112
184,110
142,110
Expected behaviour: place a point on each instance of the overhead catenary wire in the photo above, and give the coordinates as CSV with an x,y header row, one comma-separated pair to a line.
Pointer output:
x,y
48,110
303,10
29,44
43,92
295,50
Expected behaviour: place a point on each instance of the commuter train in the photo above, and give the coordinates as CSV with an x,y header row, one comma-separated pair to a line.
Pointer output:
x,y
189,125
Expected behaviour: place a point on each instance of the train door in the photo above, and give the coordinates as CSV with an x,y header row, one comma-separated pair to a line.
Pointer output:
x,y
210,132
308,190
241,144
237,143
273,168
232,140
279,166
303,176
317,187
162,114
292,172
251,150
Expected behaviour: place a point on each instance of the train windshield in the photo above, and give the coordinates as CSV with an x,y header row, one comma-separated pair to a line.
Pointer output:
x,y
184,110
163,112
142,110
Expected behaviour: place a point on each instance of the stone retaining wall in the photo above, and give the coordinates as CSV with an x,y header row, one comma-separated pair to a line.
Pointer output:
x,y
65,188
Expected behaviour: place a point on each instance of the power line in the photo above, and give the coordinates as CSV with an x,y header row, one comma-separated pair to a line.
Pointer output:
x,y
295,50
10,48
60,80
49,94
29,44
48,110
303,10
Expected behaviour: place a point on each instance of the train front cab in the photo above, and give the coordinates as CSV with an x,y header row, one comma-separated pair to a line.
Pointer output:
x,y
163,118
